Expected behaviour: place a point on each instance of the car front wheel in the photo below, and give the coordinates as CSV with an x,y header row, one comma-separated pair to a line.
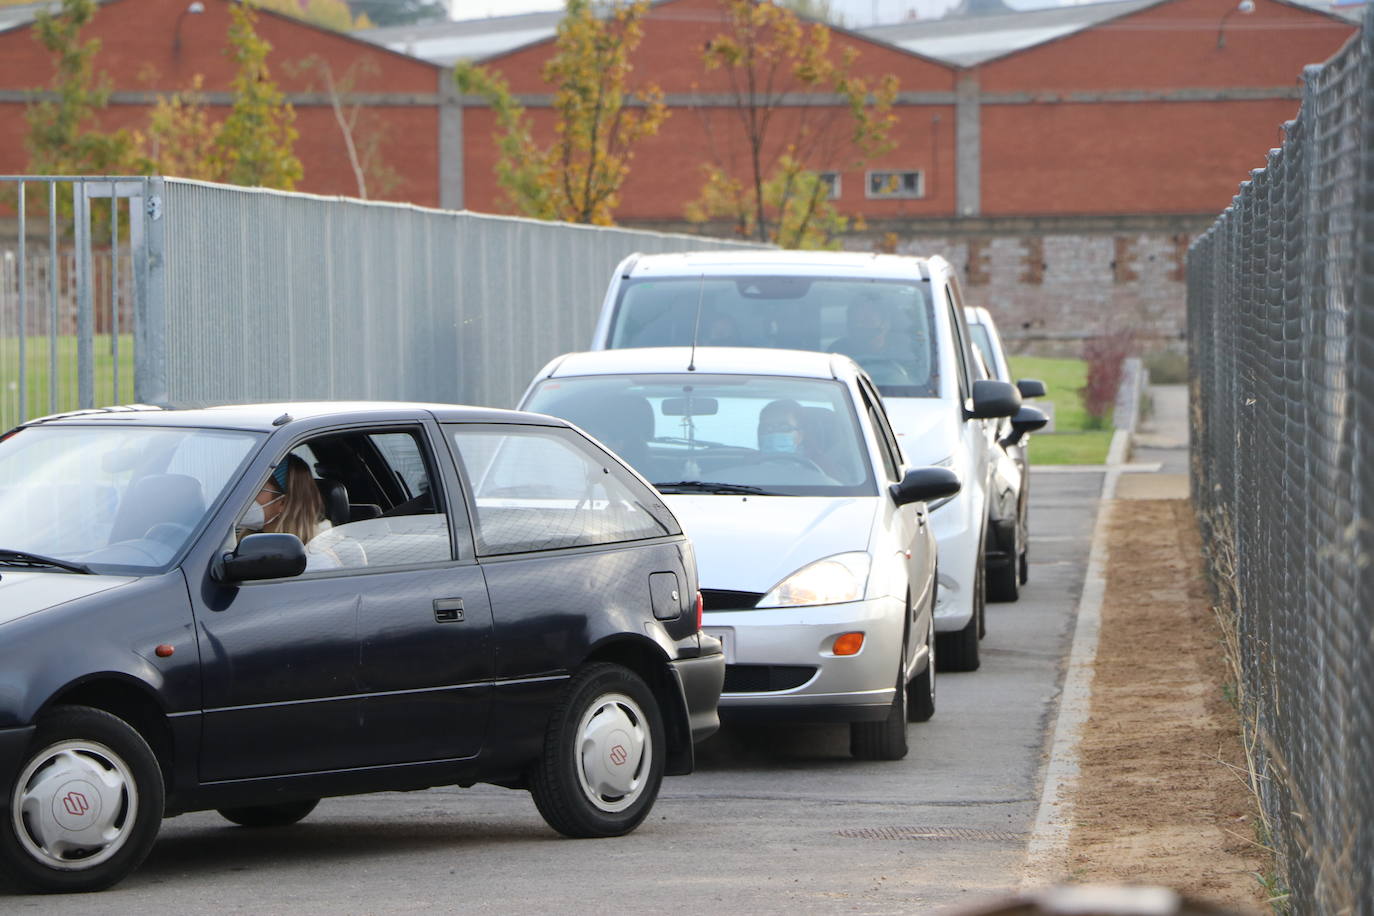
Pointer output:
x,y
884,739
603,755
86,805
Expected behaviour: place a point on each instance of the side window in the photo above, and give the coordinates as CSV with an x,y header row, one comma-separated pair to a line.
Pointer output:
x,y
960,347
357,500
545,488
886,446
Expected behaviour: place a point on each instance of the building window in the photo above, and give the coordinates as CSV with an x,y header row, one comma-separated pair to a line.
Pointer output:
x,y
884,184
831,180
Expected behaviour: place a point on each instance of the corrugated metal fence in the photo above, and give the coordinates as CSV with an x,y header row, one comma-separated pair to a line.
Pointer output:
x,y
212,294
1281,332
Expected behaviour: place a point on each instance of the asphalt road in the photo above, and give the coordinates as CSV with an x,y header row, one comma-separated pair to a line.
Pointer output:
x,y
773,821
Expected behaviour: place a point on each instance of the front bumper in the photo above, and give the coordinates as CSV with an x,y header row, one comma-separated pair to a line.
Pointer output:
x,y
781,663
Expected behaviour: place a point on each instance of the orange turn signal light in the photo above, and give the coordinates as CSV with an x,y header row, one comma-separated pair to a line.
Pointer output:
x,y
849,643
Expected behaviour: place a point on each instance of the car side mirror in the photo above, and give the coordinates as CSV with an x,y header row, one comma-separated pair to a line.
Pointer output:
x,y
925,485
993,399
1031,387
1026,420
263,556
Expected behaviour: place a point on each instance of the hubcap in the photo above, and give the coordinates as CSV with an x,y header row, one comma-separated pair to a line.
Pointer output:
x,y
930,658
74,805
614,752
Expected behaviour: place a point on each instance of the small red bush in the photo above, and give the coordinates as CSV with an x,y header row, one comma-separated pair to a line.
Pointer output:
x,y
1105,356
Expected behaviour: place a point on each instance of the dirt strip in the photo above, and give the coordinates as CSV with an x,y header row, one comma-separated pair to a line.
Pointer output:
x,y
1161,799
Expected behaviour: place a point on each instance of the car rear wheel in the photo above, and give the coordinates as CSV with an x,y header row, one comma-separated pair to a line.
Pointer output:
x,y
920,693
280,815
885,739
86,805
603,755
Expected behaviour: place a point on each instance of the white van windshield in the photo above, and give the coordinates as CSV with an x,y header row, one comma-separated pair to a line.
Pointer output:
x,y
885,325
767,435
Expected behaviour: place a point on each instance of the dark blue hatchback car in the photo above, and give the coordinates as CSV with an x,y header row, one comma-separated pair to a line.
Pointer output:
x,y
252,608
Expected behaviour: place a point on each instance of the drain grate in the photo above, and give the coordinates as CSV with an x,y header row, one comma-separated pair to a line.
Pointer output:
x,y
929,833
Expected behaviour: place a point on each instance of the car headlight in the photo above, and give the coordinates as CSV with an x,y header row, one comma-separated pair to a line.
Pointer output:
x,y
833,580
943,463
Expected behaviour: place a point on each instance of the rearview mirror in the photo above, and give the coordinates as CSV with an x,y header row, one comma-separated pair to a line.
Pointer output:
x,y
690,407
1031,387
263,556
925,485
1026,420
993,399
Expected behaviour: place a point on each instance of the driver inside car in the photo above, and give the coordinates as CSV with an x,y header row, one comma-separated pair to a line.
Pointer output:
x,y
780,429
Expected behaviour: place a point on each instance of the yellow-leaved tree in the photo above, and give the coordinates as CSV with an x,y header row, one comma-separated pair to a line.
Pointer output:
x,y
328,14
774,191
578,176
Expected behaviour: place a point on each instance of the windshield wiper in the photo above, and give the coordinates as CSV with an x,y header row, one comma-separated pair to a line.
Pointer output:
x,y
24,558
707,486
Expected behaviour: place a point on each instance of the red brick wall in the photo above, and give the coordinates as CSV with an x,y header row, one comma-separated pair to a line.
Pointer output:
x,y
1174,45
1139,157
137,53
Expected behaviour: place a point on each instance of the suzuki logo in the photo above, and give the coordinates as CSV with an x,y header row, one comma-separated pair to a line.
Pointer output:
x,y
619,755
75,803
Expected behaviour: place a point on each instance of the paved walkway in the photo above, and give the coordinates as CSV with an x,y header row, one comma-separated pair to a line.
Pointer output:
x,y
1163,439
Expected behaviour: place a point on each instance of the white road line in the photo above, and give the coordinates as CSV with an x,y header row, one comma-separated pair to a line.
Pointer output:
x,y
1046,853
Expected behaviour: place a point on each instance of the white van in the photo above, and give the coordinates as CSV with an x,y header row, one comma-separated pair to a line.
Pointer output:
x,y
901,318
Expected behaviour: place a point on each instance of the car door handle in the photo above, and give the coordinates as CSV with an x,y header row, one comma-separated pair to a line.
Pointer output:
x,y
448,610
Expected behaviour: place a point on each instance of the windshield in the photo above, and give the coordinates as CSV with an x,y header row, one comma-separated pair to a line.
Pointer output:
x,y
118,500
886,326
764,435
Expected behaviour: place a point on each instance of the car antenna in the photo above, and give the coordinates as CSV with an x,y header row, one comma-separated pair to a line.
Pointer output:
x,y
696,325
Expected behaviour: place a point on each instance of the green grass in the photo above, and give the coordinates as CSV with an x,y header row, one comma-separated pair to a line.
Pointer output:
x,y
1073,442
37,359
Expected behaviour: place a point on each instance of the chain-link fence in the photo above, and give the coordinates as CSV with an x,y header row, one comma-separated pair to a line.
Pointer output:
x,y
1281,337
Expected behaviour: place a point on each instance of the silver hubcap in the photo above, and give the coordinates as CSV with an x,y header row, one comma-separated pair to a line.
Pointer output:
x,y
613,751
74,805
930,653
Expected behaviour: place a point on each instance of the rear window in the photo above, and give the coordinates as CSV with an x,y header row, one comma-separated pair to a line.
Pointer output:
x,y
885,325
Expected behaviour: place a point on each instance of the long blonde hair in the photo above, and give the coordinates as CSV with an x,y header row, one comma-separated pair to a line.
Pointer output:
x,y
302,508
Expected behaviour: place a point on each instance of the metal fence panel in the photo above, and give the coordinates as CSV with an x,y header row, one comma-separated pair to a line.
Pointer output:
x,y
272,295
72,255
1281,338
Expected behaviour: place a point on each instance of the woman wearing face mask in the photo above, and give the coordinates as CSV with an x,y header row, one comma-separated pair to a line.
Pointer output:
x,y
780,429
288,503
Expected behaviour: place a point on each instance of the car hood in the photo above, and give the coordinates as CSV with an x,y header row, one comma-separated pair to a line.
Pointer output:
x,y
927,428
750,544
23,593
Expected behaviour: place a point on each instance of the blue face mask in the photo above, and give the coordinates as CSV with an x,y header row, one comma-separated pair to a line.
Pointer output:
x,y
778,442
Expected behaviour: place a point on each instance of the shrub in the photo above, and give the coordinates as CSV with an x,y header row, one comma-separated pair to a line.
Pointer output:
x,y
1104,356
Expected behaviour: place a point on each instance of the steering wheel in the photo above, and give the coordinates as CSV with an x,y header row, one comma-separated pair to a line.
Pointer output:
x,y
886,371
169,534
792,457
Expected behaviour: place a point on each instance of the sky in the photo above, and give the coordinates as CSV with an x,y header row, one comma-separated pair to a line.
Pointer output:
x,y
855,12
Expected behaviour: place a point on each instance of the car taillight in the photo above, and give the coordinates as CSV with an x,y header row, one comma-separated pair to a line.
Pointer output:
x,y
700,605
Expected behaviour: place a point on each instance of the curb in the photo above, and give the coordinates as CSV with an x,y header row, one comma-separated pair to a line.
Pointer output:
x,y
1047,850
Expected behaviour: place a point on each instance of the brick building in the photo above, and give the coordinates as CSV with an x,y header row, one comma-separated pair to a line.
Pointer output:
x,y
1064,157
152,47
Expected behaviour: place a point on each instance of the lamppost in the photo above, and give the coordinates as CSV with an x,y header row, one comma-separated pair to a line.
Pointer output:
x,y
1244,7
196,8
